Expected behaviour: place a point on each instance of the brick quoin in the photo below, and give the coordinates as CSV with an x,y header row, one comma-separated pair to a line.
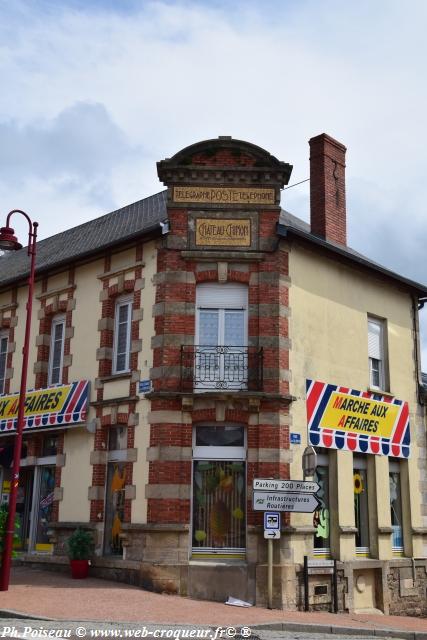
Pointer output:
x,y
6,324
58,473
165,472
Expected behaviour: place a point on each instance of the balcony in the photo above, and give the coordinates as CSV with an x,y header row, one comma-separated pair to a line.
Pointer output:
x,y
221,368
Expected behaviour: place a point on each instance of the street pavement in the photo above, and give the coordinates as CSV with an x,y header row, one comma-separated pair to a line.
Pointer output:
x,y
99,608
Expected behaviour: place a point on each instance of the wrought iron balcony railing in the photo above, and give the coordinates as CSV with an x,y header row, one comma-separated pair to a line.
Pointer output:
x,y
213,368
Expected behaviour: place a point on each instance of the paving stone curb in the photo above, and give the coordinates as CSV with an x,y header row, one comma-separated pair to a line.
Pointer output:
x,y
10,613
301,627
307,627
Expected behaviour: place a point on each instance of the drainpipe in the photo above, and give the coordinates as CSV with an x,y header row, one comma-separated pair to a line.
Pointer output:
x,y
417,304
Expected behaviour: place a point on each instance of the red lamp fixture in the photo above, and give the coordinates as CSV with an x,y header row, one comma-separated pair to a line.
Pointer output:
x,y
8,240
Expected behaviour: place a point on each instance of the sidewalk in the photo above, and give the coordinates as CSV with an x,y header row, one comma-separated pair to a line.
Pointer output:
x,y
56,596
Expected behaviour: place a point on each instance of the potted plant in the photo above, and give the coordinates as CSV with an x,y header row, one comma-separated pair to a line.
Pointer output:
x,y
3,520
80,548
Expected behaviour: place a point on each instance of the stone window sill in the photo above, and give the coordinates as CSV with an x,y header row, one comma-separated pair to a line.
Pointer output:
x,y
116,376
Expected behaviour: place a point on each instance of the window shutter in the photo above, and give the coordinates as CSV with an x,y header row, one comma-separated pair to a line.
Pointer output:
x,y
122,336
222,296
56,351
375,340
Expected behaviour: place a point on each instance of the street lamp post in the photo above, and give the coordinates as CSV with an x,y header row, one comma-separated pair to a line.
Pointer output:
x,y
8,242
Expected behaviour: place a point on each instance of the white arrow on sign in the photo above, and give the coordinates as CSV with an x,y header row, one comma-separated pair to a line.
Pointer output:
x,y
271,534
281,501
300,486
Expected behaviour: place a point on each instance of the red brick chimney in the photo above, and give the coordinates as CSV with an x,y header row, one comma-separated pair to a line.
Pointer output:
x,y
327,188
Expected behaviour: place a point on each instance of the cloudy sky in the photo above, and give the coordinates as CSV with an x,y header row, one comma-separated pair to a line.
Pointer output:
x,y
94,92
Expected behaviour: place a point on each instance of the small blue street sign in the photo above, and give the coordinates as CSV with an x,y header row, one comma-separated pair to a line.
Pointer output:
x,y
272,520
295,438
144,386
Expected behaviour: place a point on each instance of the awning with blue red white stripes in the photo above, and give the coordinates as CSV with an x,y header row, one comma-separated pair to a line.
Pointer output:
x,y
361,421
62,405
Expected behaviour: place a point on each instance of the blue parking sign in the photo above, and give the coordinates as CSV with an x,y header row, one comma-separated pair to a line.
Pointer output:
x,y
271,520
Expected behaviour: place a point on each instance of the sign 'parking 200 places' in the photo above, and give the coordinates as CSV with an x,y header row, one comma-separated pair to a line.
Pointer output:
x,y
342,418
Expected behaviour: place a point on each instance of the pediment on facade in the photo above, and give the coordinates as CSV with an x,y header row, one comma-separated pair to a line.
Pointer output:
x,y
226,160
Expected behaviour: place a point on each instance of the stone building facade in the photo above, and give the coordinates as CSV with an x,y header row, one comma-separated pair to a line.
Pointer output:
x,y
198,340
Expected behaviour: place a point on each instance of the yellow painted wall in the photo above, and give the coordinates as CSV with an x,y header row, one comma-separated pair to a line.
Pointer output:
x,y
85,341
330,303
76,476
122,259
21,312
58,281
145,360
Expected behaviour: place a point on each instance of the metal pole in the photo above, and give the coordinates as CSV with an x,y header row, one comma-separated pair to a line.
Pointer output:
x,y
10,525
306,600
335,580
270,574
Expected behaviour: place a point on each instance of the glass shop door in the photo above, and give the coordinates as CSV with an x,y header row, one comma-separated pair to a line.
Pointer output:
x,y
43,508
24,501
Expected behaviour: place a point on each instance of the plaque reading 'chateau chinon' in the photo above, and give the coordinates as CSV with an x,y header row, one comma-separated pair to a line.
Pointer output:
x,y
221,195
229,232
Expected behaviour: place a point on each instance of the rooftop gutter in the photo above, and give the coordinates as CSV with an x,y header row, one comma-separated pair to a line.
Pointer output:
x,y
284,231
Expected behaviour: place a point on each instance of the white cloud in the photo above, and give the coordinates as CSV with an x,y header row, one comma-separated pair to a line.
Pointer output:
x,y
95,93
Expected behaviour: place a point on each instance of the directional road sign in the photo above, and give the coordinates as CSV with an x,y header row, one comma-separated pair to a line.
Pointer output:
x,y
299,486
272,521
271,534
284,501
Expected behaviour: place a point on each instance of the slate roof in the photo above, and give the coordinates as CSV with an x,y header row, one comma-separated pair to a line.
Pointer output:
x,y
74,244
137,219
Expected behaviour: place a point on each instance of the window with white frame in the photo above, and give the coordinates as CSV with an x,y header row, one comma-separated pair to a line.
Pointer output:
x,y
396,506
221,353
122,335
115,489
321,517
56,353
4,338
377,354
361,505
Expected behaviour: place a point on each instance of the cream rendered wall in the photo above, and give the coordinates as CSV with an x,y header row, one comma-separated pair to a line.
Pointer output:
x,y
21,312
76,476
85,321
145,362
329,305
58,281
122,259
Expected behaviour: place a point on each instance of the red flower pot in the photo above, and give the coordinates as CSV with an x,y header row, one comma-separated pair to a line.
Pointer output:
x,y
79,569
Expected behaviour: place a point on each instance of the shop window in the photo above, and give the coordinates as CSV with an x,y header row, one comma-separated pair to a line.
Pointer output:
x,y
46,486
219,492
115,490
376,353
321,517
396,506
221,351
117,438
4,338
56,353
50,445
122,335
361,509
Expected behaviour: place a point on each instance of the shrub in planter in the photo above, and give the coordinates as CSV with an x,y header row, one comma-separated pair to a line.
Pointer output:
x,y
3,521
80,548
